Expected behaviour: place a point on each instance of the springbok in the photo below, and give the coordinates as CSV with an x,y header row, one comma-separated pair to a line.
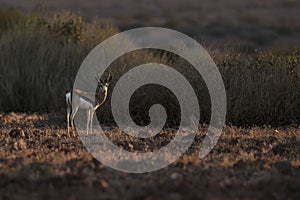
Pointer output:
x,y
79,100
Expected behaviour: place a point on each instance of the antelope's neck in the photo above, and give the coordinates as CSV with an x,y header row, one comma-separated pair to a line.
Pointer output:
x,y
102,98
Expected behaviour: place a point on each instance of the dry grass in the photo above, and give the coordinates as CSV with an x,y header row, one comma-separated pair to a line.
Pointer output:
x,y
40,55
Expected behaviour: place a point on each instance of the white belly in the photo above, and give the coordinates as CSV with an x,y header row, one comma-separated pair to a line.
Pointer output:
x,y
85,104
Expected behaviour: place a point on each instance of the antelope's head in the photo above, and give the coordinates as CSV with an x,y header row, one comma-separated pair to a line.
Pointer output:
x,y
103,85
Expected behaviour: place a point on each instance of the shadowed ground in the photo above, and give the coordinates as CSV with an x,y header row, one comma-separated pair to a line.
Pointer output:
x,y
38,161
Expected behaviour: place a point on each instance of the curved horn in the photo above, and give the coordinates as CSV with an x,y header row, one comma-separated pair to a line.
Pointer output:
x,y
108,78
98,77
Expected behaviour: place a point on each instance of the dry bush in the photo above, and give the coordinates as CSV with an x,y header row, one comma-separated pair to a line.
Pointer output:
x,y
40,57
263,88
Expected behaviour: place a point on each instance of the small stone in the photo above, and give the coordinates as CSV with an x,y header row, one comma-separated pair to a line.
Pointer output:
x,y
280,149
22,145
15,133
18,145
64,135
130,146
103,183
13,146
175,175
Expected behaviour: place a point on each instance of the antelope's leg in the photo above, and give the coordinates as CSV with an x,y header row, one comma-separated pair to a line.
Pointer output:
x,y
68,120
88,121
91,120
74,111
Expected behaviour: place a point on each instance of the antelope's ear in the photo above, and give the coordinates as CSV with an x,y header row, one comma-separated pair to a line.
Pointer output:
x,y
109,79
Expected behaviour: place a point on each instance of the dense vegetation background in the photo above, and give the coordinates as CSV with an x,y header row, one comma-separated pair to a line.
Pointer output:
x,y
250,23
42,51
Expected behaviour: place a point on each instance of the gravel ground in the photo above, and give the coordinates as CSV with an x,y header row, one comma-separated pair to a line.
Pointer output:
x,y
39,161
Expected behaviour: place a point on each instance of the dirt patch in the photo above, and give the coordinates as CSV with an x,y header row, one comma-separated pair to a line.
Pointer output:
x,y
247,163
